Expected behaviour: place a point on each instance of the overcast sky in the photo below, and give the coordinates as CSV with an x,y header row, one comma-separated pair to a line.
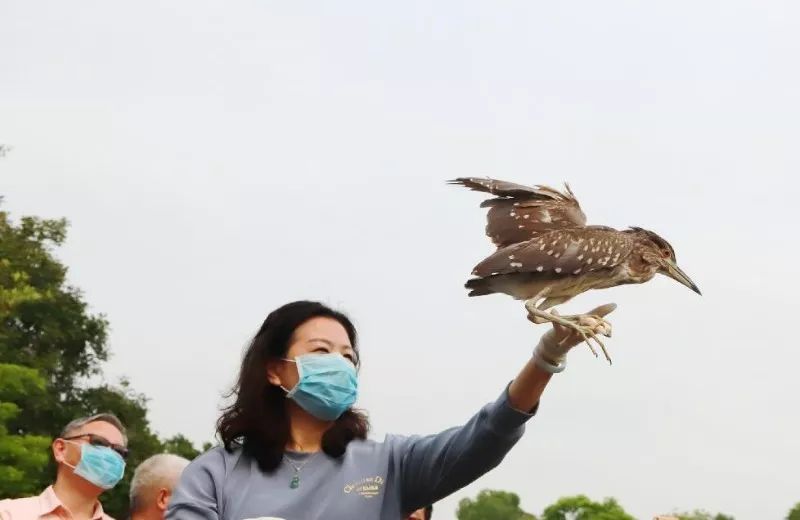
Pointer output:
x,y
218,159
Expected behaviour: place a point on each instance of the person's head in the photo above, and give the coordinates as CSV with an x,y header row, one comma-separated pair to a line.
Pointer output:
x,y
91,452
422,514
152,483
294,338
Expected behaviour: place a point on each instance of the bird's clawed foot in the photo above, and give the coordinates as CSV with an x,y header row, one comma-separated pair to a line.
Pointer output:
x,y
587,326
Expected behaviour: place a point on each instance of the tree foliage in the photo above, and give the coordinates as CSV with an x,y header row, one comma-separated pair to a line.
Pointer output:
x,y
504,505
492,505
699,514
794,514
50,347
580,507
23,457
180,445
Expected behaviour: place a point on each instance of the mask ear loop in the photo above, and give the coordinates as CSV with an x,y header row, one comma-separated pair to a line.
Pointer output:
x,y
67,464
298,375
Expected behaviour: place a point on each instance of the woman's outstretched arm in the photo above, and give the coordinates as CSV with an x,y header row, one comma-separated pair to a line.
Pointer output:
x,y
549,358
435,466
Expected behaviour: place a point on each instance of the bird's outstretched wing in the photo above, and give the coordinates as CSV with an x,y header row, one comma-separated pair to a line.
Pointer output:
x,y
519,213
560,252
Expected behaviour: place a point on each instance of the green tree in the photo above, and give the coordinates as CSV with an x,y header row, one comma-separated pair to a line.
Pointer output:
x,y
794,514
51,345
580,507
492,505
23,458
699,514
45,323
180,445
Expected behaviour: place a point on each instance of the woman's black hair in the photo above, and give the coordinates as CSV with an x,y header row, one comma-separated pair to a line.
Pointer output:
x,y
257,420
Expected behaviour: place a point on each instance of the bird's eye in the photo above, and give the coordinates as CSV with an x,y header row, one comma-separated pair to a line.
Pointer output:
x,y
665,253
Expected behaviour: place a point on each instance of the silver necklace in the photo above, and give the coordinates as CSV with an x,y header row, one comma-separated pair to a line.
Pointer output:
x,y
295,482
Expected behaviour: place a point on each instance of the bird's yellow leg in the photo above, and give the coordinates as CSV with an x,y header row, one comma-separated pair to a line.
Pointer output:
x,y
538,316
600,324
585,325
547,303
596,324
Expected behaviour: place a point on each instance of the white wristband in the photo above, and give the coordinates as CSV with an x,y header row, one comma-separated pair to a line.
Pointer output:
x,y
547,366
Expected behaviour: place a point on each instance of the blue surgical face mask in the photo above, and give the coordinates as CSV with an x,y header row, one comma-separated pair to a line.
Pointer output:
x,y
100,465
327,385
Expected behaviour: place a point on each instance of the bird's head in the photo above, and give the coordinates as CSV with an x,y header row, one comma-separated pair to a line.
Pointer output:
x,y
659,254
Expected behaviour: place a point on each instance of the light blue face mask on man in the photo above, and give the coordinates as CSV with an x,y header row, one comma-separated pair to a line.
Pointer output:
x,y
327,385
100,465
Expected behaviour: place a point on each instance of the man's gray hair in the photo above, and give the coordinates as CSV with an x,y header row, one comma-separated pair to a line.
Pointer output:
x,y
80,422
159,471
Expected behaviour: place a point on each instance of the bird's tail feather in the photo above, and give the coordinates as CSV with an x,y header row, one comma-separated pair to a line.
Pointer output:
x,y
479,286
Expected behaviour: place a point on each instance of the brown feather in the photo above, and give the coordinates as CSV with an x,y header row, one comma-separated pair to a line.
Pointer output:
x,y
560,252
496,187
522,212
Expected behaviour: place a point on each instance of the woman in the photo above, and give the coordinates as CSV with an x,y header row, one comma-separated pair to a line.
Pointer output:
x,y
294,449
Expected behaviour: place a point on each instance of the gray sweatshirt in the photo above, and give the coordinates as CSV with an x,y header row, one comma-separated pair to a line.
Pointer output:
x,y
371,481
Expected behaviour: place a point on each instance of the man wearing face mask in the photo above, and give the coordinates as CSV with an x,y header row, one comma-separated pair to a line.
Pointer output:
x,y
90,453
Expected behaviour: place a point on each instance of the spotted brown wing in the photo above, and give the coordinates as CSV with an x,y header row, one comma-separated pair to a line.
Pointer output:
x,y
496,187
570,251
522,212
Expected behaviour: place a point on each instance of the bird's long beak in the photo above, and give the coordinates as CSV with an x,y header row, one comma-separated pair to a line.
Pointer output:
x,y
674,272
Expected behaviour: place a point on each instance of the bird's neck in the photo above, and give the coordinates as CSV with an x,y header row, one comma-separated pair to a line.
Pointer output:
x,y
638,274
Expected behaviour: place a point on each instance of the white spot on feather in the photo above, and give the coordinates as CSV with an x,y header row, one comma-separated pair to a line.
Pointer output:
x,y
589,261
571,248
544,216
512,214
526,216
576,271
550,252
521,226
580,257
558,269
510,257
541,248
516,264
540,268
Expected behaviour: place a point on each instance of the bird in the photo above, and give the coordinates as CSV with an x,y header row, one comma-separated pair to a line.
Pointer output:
x,y
547,254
